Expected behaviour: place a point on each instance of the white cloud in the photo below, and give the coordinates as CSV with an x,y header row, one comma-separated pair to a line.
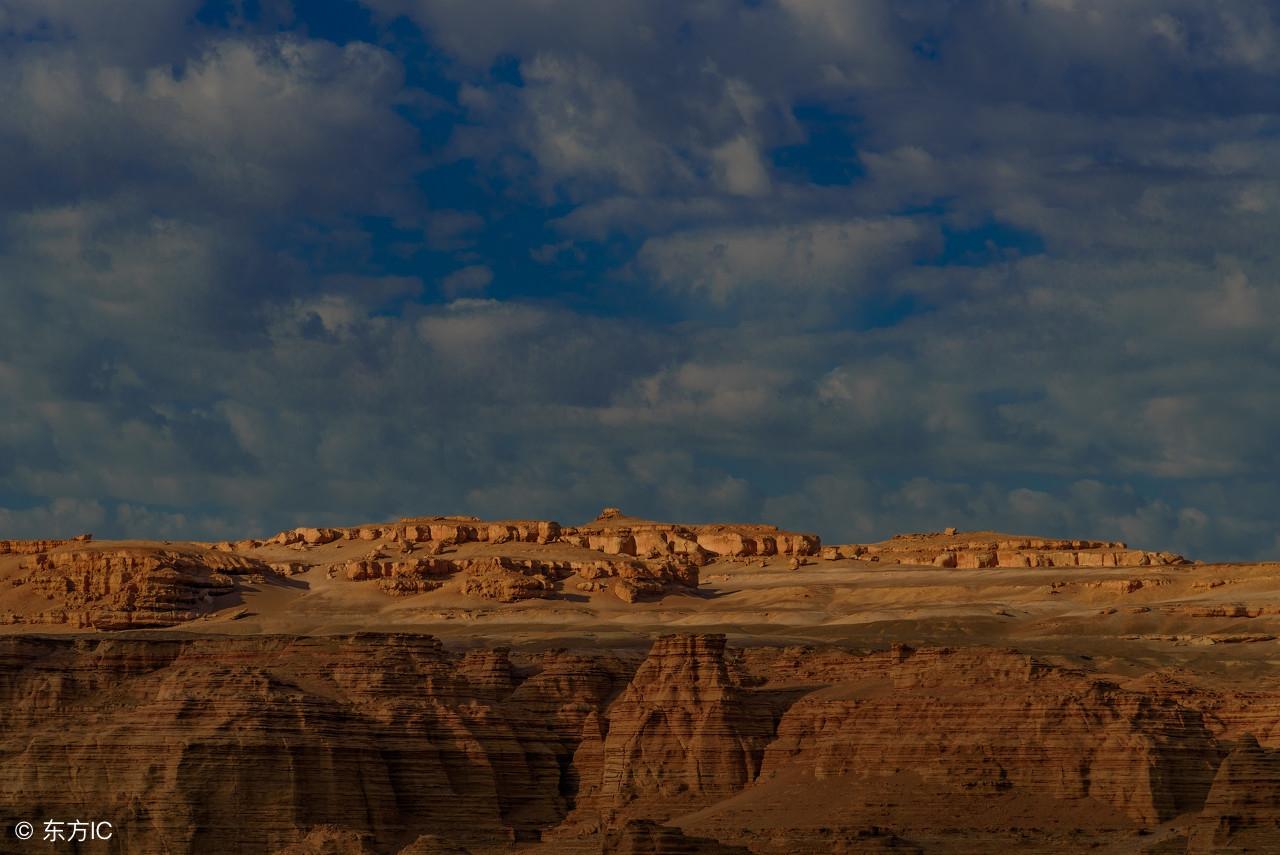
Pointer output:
x,y
1237,305
584,126
740,169
786,261
257,124
472,279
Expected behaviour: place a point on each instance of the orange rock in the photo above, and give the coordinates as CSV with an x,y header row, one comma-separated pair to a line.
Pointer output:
x,y
682,731
318,536
126,587
1242,811
28,547
501,580
613,544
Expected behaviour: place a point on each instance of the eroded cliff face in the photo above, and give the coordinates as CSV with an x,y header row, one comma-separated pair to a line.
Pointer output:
x,y
682,733
108,587
612,533
1242,812
991,721
376,743
983,549
239,745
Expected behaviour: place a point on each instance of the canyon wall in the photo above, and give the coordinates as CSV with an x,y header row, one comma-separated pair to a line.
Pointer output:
x,y
384,743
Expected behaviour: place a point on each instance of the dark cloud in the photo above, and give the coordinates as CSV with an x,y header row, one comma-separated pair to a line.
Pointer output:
x,y
861,266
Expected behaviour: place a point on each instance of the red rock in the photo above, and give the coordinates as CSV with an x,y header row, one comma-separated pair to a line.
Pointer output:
x,y
681,731
1242,811
130,587
645,837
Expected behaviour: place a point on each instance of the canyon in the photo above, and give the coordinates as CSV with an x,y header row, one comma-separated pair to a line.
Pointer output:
x,y
454,685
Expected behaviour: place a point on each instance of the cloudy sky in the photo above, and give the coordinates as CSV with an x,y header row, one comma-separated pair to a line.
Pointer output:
x,y
855,266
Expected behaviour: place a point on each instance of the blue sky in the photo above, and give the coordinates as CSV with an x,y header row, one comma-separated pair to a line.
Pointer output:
x,y
854,267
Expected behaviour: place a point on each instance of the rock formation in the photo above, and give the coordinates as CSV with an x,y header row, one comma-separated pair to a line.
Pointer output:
x,y
1242,811
244,745
526,691
106,587
506,581
992,721
977,550
615,533
681,731
382,743
28,547
645,837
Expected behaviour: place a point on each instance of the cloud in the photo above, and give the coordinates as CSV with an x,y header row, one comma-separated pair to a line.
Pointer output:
x,y
60,517
585,127
787,261
245,124
859,267
868,512
474,278
740,170
142,32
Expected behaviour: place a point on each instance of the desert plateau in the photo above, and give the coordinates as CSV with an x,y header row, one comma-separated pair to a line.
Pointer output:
x,y
454,685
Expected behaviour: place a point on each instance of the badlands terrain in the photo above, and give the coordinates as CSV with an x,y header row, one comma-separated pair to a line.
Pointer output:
x,y
453,685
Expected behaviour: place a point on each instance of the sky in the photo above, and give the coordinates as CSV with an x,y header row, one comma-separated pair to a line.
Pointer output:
x,y
849,266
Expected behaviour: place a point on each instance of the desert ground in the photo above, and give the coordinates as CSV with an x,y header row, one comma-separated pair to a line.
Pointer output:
x,y
447,684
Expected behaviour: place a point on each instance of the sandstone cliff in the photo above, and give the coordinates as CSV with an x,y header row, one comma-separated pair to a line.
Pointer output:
x,y
612,533
990,721
194,746
1242,811
392,743
977,550
121,587
682,731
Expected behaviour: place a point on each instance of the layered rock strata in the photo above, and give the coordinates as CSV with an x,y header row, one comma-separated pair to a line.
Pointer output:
x,y
1242,811
245,745
683,731
28,547
384,744
991,721
508,580
613,535
108,587
977,550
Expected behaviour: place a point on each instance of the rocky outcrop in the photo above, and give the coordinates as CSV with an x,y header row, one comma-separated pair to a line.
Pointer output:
x,y
1242,811
328,840
319,536
682,731
616,533
391,743
450,530
28,547
248,745
506,579
632,581
387,743
978,550
402,578
107,587
985,721
645,837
